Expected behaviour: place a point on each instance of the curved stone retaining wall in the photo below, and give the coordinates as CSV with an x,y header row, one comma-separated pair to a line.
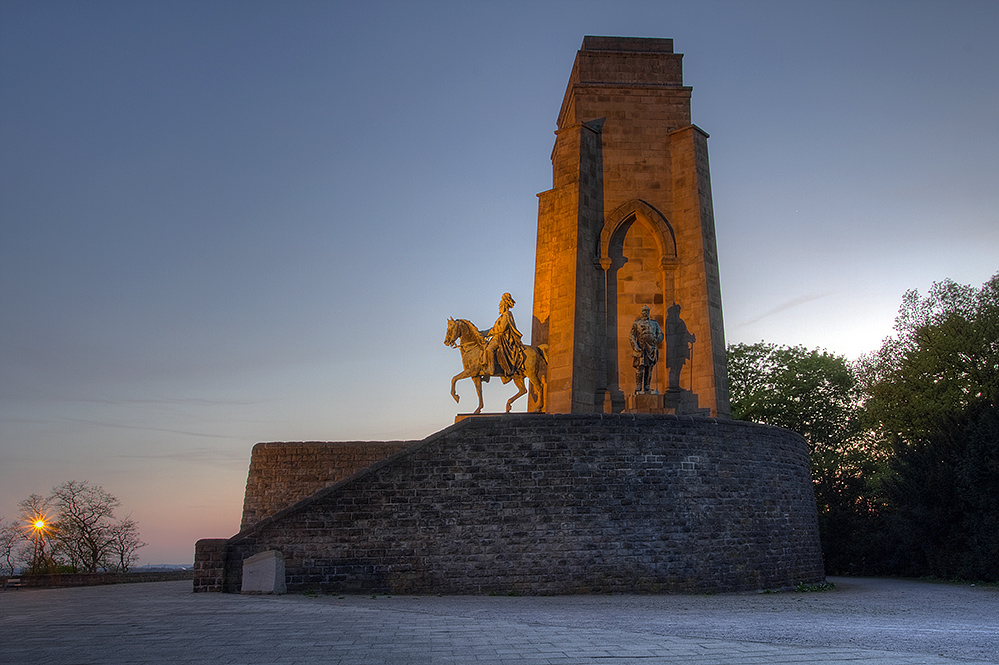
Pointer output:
x,y
556,504
284,473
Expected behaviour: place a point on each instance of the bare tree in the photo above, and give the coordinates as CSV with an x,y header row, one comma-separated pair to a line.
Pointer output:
x,y
85,514
12,541
125,543
84,534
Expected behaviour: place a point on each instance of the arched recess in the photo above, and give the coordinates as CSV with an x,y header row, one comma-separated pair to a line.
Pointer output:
x,y
654,219
637,255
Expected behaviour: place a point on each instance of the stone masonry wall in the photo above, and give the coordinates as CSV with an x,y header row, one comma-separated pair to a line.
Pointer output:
x,y
209,564
282,474
555,504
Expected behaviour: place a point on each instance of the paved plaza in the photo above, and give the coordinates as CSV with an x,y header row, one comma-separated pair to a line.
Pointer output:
x,y
861,622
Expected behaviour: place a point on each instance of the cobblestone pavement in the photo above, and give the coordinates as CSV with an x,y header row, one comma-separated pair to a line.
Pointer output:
x,y
860,622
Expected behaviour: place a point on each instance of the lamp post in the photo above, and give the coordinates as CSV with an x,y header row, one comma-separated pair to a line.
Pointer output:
x,y
39,525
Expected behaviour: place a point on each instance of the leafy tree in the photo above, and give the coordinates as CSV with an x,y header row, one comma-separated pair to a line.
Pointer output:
x,y
943,497
811,392
904,444
816,394
933,389
943,357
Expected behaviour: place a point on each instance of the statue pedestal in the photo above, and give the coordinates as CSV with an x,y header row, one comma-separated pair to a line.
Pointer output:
x,y
462,416
676,402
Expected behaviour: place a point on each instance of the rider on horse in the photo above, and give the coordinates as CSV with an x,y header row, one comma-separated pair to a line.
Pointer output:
x,y
504,348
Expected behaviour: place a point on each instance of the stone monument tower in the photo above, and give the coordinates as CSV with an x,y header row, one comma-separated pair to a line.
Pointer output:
x,y
579,501
628,223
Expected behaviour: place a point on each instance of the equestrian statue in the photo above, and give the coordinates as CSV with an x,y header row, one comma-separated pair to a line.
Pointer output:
x,y
498,352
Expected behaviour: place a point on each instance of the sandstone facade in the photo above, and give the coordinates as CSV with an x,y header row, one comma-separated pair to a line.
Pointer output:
x,y
628,222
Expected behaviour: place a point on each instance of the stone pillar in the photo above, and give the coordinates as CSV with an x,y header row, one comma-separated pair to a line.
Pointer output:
x,y
569,217
209,564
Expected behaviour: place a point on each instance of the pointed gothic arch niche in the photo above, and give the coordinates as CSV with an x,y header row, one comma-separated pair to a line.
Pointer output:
x,y
637,255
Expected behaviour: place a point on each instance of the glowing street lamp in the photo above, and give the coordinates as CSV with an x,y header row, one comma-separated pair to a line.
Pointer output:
x,y
39,525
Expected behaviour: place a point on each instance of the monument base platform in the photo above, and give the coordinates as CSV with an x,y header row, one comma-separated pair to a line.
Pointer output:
x,y
677,402
547,504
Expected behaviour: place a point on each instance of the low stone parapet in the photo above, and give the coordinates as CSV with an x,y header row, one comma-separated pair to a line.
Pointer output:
x,y
97,579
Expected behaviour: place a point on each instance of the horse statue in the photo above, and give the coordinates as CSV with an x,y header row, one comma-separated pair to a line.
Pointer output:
x,y
461,332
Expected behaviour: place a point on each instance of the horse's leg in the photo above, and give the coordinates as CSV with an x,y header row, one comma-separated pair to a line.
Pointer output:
x,y
477,380
457,377
538,392
521,390
536,377
530,372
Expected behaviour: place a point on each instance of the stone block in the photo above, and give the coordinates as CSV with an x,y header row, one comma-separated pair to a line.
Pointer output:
x,y
264,573
673,402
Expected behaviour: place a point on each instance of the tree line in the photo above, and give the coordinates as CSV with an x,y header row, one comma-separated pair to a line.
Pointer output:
x,y
73,529
904,441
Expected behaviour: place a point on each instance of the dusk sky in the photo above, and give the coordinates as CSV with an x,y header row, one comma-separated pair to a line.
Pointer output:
x,y
231,222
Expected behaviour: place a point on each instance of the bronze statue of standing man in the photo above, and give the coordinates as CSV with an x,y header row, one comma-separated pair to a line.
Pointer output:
x,y
646,336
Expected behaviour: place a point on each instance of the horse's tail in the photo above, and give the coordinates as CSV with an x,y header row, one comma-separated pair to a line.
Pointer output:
x,y
543,352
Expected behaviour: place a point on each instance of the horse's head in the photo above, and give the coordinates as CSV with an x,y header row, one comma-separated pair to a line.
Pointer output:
x,y
451,338
462,329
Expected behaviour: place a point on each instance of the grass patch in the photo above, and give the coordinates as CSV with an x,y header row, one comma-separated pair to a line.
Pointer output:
x,y
808,588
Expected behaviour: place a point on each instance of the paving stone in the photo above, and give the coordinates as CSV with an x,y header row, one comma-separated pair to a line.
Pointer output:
x,y
902,623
